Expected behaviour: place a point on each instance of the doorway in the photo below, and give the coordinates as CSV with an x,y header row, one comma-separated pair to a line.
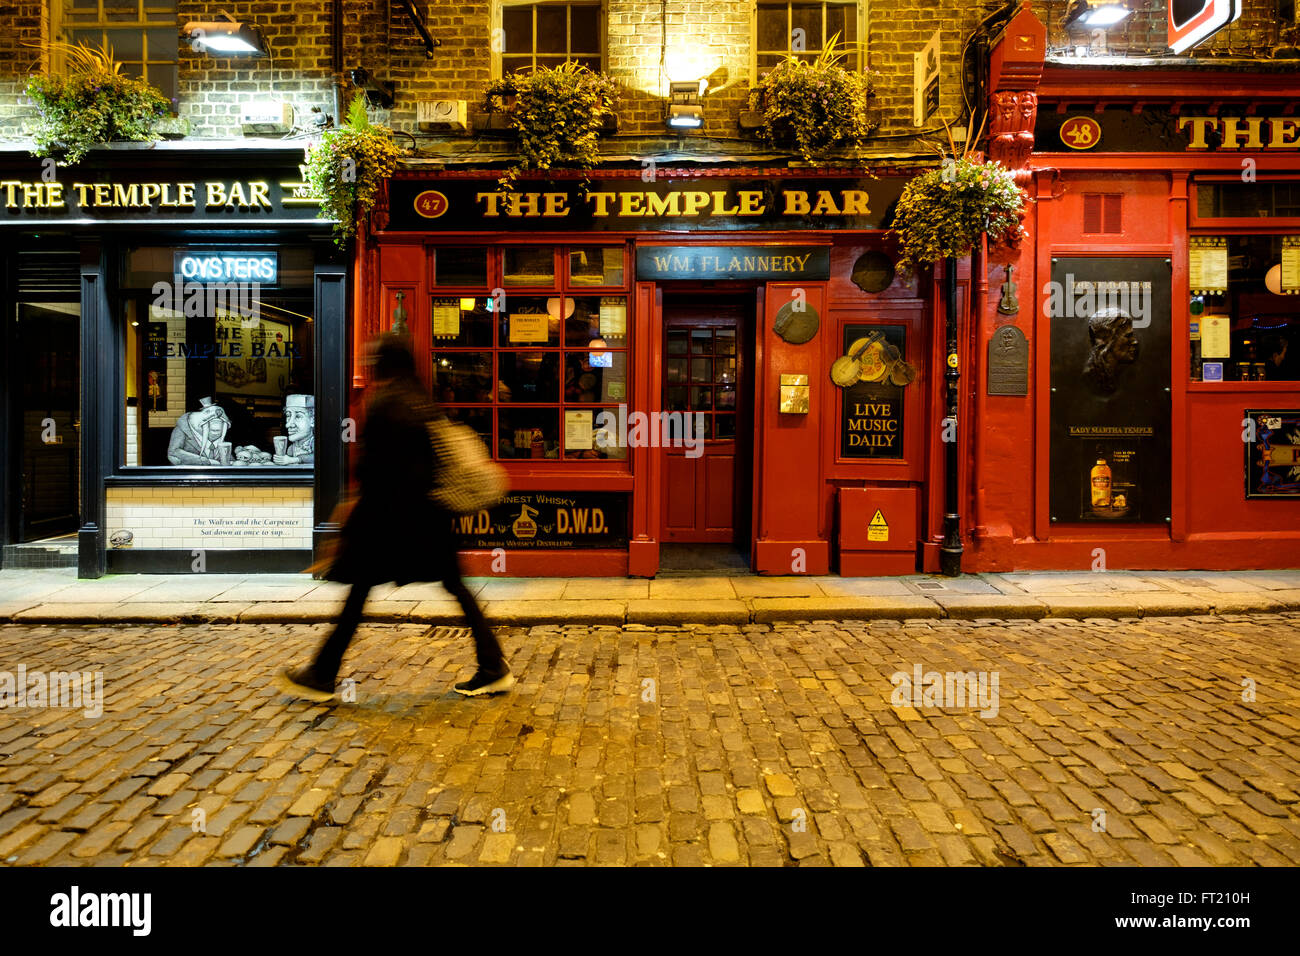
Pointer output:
x,y
46,395
707,510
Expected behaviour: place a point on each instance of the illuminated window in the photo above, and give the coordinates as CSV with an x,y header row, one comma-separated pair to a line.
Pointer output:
x,y
788,27
143,34
546,34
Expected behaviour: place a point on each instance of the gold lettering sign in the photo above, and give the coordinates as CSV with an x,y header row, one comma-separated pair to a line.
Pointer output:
x,y
1241,132
241,195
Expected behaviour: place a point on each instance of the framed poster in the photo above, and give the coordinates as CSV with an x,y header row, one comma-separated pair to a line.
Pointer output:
x,y
1273,458
871,423
154,397
1110,390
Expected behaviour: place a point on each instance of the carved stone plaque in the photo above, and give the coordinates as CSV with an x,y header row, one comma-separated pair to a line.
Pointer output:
x,y
1008,362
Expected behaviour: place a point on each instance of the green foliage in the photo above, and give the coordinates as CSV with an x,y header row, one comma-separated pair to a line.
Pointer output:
x,y
347,167
942,213
94,103
557,114
814,106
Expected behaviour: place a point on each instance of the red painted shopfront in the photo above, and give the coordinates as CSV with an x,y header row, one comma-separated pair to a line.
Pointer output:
x,y
582,332
1158,299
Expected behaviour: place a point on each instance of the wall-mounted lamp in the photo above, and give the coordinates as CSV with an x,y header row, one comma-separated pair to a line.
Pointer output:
x,y
684,109
381,94
1095,14
226,37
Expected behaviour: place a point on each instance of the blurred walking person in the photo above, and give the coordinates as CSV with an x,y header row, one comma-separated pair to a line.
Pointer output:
x,y
396,532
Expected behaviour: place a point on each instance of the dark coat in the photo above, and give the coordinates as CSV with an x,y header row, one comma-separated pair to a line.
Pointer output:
x,y
395,533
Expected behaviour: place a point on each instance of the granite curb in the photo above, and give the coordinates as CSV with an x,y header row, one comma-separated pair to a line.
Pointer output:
x,y
668,611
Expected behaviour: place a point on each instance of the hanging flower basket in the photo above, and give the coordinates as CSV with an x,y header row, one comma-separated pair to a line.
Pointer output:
x,y
93,104
943,212
814,107
556,113
347,168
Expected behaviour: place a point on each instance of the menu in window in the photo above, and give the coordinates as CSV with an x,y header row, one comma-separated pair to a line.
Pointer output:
x,y
1216,340
613,315
1207,270
528,328
446,318
1291,264
577,431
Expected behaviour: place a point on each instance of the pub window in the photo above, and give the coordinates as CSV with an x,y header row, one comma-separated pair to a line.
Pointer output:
x,y
143,34
788,27
1276,199
547,34
1250,330
218,357
540,369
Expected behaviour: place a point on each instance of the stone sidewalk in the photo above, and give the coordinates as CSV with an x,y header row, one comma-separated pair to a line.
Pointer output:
x,y
58,596
1148,742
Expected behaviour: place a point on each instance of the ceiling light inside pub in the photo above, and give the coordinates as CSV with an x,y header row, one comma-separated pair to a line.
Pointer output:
x,y
1093,14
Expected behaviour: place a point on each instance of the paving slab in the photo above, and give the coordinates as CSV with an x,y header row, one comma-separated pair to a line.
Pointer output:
x,y
161,612
389,610
972,606
927,585
681,611
439,612
874,587
525,613
622,589
524,589
256,591
703,588
1244,602
782,586
863,608
64,612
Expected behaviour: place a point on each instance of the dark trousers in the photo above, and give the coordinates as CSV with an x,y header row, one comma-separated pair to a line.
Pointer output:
x,y
488,650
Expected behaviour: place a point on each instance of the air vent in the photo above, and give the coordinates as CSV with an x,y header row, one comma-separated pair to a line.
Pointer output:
x,y
49,274
1101,213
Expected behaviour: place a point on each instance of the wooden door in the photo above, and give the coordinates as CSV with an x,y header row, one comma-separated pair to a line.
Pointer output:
x,y
703,369
48,397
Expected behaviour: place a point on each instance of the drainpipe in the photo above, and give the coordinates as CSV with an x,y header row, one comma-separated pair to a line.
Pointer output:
x,y
950,551
979,358
336,57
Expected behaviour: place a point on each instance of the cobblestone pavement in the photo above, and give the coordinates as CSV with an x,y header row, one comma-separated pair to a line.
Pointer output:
x,y
1114,742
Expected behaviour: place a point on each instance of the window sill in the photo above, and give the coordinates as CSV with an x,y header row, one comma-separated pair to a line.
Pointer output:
x,y
158,475
1239,388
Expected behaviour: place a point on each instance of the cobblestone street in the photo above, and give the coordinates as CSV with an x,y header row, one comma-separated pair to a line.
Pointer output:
x,y
1131,742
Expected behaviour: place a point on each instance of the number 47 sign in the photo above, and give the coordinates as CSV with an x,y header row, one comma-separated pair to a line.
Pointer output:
x,y
1191,21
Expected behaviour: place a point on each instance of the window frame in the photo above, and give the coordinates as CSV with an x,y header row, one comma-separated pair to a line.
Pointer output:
x,y
62,25
498,14
561,287
860,17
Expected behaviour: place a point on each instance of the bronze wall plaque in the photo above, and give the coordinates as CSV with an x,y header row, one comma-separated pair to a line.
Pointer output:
x,y
796,325
1008,362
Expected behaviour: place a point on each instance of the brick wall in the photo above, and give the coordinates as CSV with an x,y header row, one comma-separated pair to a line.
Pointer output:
x,y
1146,29
699,38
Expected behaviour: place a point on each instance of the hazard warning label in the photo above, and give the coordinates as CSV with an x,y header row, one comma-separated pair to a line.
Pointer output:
x,y
878,529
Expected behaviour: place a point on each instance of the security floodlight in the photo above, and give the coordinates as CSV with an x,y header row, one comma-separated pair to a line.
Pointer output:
x,y
1095,14
684,109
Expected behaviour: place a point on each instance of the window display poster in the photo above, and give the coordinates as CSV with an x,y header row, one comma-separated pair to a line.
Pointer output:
x,y
155,367
1216,336
613,316
1290,279
1207,266
1273,458
577,431
1110,401
559,520
528,328
446,318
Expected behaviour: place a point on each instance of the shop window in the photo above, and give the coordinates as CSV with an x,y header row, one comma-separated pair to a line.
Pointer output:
x,y
218,364
547,34
789,27
1250,330
141,33
460,267
1248,200
538,375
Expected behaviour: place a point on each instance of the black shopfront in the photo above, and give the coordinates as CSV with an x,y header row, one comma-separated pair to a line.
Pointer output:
x,y
173,358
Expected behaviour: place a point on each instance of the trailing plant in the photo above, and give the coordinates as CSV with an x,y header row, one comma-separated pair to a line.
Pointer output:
x,y
943,212
814,106
556,112
93,104
348,166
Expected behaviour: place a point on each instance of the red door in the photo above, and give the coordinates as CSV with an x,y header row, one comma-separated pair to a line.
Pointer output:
x,y
703,368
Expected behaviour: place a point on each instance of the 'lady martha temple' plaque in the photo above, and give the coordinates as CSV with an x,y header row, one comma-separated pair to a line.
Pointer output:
x,y
1008,362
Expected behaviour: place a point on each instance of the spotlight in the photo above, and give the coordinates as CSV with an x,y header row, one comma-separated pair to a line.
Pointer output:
x,y
1094,14
684,110
381,94
225,38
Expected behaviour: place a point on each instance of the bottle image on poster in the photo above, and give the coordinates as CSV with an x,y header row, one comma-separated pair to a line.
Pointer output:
x,y
1110,409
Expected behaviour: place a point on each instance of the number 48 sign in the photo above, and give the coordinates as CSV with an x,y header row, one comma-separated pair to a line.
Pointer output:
x,y
1191,21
